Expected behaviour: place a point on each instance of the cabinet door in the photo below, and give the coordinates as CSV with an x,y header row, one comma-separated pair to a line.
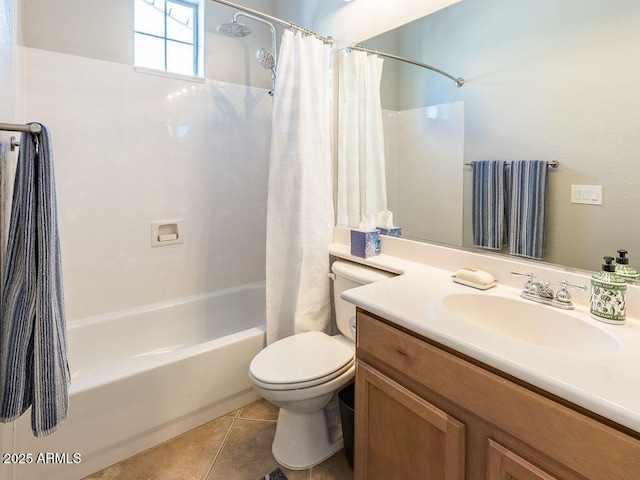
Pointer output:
x,y
506,465
400,435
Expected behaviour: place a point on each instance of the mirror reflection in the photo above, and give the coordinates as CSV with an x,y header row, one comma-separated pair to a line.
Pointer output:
x,y
545,80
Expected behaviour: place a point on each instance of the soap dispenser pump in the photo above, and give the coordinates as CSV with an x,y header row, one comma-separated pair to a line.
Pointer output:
x,y
623,269
608,292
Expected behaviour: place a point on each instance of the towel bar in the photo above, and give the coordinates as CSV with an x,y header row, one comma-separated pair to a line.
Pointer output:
x,y
552,164
14,127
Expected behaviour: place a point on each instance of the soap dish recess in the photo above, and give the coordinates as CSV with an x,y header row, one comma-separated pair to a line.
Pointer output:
x,y
166,232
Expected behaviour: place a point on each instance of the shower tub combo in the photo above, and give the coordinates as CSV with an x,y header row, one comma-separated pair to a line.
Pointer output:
x,y
144,376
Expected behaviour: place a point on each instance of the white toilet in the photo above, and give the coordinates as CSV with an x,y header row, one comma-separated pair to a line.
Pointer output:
x,y
301,373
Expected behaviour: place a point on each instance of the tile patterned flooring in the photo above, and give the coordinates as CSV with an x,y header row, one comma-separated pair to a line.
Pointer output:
x,y
236,446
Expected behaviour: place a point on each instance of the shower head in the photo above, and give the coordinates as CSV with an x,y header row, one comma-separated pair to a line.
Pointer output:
x,y
268,61
265,59
234,29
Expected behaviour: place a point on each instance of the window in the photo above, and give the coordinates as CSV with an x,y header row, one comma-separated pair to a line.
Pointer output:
x,y
166,35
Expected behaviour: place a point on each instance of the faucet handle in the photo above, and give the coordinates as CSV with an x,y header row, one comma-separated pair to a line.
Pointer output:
x,y
528,274
578,286
563,294
529,284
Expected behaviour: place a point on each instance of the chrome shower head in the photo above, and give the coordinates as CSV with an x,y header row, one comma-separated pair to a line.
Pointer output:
x,y
234,30
265,59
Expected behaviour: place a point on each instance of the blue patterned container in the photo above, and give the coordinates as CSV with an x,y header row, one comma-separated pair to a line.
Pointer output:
x,y
365,244
391,232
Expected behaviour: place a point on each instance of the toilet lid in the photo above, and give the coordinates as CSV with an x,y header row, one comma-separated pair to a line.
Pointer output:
x,y
300,359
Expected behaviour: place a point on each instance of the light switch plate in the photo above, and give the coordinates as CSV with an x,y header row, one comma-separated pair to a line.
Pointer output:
x,y
586,194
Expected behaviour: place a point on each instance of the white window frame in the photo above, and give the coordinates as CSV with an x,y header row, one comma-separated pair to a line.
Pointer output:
x,y
196,43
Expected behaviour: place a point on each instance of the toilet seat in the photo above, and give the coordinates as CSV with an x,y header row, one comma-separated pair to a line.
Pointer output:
x,y
300,361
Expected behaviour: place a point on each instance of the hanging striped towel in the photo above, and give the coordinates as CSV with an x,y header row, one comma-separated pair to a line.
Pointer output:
x,y
489,204
33,347
527,212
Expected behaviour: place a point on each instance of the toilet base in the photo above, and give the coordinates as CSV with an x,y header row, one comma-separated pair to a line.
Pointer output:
x,y
302,439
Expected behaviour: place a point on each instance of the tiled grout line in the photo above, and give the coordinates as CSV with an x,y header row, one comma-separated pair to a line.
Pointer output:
x,y
222,445
105,475
257,420
224,442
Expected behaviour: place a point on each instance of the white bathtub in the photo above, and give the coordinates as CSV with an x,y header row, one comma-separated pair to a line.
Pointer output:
x,y
144,376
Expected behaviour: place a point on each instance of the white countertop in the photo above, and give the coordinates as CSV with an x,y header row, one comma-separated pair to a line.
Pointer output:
x,y
605,383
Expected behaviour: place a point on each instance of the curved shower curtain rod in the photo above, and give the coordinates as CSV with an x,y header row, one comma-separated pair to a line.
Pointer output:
x,y
328,40
459,81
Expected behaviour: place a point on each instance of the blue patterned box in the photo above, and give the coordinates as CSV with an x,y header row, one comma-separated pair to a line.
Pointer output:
x,y
391,232
365,244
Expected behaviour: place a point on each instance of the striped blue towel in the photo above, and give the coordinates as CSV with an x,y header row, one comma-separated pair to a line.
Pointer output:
x,y
33,348
489,204
527,211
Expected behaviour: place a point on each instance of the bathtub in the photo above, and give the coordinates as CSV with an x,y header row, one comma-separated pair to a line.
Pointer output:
x,y
144,376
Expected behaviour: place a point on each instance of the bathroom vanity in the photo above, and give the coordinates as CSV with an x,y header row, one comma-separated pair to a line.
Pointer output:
x,y
426,411
456,383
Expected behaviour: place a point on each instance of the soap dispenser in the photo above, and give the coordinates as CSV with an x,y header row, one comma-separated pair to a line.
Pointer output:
x,y
608,292
623,269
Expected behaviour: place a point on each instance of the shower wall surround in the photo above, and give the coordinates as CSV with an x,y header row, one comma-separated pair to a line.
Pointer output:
x,y
6,115
130,148
6,62
7,111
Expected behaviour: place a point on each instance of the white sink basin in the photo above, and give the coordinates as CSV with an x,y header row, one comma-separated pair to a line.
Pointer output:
x,y
530,322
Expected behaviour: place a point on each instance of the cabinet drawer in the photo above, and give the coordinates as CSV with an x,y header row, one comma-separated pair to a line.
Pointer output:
x,y
396,349
569,437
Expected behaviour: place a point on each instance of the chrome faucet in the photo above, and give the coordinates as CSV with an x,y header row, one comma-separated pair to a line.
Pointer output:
x,y
543,293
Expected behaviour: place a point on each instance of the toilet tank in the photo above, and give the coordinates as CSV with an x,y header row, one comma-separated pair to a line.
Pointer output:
x,y
351,275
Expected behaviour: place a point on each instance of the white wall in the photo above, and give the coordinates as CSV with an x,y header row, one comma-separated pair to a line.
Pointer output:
x,y
6,61
88,28
131,148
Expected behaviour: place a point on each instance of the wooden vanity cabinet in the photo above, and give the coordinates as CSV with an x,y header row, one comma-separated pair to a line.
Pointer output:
x,y
426,412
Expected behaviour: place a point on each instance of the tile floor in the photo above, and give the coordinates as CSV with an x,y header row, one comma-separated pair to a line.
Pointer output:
x,y
236,446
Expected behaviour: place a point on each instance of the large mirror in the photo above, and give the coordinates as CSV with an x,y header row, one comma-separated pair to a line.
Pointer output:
x,y
545,79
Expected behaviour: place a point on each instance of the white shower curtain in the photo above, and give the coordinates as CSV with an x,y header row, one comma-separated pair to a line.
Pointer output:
x,y
362,185
300,211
